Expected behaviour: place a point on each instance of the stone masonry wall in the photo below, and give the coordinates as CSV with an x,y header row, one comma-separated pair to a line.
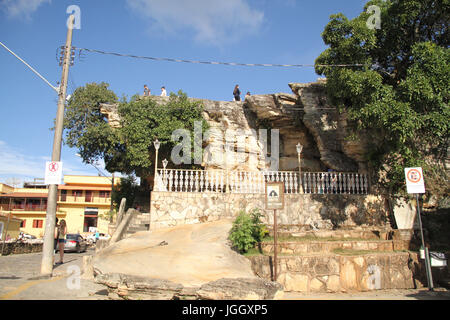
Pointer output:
x,y
20,248
335,273
318,211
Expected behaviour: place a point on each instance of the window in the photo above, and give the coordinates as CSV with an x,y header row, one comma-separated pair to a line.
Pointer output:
x,y
88,196
37,223
23,223
77,194
104,194
63,195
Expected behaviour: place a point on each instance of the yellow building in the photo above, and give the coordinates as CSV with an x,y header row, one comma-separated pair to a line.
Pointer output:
x,y
9,226
83,201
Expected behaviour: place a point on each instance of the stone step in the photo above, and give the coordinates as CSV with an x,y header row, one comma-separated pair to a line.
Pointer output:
x,y
335,234
302,247
132,229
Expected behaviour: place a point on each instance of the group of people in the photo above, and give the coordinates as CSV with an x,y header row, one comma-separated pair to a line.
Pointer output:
x,y
147,91
60,238
237,94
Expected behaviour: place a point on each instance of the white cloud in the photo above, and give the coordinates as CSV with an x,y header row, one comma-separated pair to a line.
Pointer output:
x,y
216,22
14,163
21,8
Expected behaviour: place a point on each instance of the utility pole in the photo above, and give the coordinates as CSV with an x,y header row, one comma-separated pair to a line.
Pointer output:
x,y
47,250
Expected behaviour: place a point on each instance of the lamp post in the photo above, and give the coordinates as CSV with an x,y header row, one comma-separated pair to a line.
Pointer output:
x,y
156,143
299,152
165,162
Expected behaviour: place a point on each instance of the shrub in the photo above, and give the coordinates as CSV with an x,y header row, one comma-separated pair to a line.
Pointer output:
x,y
247,230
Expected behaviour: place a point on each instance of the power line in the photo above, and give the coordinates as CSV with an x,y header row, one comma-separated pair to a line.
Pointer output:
x,y
217,62
30,67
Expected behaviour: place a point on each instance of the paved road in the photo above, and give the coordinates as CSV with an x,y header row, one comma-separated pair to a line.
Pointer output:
x,y
20,280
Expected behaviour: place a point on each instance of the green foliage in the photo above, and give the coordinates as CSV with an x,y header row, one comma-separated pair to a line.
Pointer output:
x,y
143,121
128,149
128,189
86,128
401,95
247,230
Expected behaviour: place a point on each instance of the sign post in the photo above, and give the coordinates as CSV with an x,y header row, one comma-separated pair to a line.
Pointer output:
x,y
415,184
275,201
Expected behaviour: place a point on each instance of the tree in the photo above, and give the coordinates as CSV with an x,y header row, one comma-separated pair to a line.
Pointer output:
x,y
86,127
128,149
128,189
400,95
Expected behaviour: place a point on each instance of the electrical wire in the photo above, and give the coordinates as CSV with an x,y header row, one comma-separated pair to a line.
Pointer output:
x,y
216,62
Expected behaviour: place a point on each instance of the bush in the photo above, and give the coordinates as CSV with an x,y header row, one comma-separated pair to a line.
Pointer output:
x,y
247,230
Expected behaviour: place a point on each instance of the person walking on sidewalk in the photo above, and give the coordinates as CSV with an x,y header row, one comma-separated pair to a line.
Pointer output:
x,y
62,231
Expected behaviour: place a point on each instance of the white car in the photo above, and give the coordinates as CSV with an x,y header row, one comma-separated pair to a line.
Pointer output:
x,y
104,236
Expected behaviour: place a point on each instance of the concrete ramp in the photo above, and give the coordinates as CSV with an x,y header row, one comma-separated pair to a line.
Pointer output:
x,y
191,255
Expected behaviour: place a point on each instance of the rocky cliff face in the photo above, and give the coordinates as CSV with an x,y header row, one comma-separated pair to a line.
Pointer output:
x,y
243,135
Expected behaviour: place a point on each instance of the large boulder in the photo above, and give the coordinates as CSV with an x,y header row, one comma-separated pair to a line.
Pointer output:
x,y
193,261
122,286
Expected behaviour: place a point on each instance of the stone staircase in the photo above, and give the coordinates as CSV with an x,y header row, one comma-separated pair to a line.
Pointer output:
x,y
343,260
139,222
296,239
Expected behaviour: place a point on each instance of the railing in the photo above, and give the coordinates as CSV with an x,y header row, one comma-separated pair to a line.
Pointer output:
x,y
173,180
23,207
71,199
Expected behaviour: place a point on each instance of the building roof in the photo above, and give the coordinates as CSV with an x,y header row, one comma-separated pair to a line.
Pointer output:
x,y
24,195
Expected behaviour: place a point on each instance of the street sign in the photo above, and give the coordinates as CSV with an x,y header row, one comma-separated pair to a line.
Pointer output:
x,y
53,172
414,180
274,195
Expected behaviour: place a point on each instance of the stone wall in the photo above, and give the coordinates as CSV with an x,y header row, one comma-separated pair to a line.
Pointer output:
x,y
21,247
339,273
329,211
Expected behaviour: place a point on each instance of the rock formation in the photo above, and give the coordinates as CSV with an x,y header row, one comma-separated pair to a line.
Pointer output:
x,y
304,116
183,262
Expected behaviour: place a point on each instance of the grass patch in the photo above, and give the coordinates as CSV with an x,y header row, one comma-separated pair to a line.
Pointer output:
x,y
253,252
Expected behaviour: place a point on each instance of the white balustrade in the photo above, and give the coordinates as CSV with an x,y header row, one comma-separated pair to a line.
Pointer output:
x,y
173,180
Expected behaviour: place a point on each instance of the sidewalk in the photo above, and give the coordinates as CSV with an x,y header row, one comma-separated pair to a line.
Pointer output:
x,y
20,279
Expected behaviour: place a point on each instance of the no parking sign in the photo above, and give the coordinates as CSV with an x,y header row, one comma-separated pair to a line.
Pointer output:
x,y
53,172
414,180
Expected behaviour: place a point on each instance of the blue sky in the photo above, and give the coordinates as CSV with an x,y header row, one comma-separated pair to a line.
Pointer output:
x,y
245,31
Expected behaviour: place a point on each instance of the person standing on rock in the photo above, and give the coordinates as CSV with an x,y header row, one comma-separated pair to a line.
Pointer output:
x,y
62,231
237,93
163,92
146,91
